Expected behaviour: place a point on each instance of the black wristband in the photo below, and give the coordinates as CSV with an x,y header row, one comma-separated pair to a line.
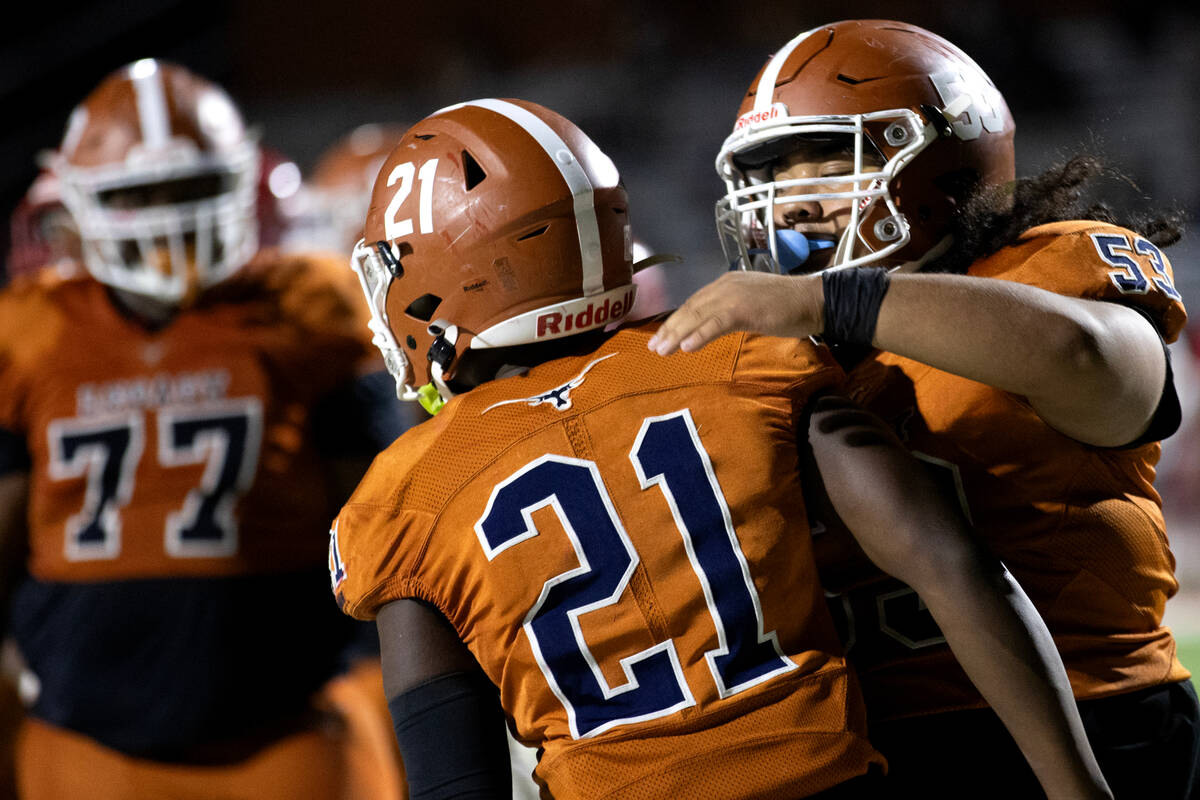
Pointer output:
x,y
852,300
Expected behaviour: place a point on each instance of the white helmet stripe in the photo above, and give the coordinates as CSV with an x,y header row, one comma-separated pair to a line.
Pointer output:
x,y
766,84
151,97
590,252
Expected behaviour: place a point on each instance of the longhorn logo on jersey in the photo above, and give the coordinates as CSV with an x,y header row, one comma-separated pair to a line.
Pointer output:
x,y
559,396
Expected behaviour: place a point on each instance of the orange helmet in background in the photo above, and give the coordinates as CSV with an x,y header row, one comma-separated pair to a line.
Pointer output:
x,y
900,96
493,223
329,211
159,174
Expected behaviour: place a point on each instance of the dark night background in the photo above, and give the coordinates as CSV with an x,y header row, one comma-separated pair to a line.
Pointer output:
x,y
655,84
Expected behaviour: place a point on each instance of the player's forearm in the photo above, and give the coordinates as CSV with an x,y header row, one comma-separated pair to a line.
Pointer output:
x,y
1004,334
1006,650
1093,370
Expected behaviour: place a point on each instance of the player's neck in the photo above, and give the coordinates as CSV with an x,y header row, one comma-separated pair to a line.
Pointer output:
x,y
146,311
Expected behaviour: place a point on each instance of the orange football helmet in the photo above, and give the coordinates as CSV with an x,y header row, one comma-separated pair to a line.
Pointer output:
x,y
897,95
492,223
159,173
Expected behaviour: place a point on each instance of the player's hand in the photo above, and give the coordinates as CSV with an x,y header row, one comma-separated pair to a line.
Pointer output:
x,y
777,305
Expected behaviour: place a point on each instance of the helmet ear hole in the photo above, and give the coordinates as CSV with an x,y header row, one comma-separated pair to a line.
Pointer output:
x,y
423,307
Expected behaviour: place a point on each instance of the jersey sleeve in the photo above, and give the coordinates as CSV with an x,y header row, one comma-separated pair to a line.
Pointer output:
x,y
1097,261
376,543
29,326
371,561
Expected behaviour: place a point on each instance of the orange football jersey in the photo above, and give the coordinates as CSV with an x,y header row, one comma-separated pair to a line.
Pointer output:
x,y
152,450
1080,527
620,541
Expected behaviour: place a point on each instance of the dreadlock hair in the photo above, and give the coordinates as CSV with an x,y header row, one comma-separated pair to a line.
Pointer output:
x,y
994,217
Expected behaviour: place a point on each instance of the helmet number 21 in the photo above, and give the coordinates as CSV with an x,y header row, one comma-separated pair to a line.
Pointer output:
x,y
399,228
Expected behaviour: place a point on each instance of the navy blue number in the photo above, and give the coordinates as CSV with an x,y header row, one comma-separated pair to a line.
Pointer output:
x,y
106,453
668,454
1117,250
226,441
1162,279
655,685
1112,248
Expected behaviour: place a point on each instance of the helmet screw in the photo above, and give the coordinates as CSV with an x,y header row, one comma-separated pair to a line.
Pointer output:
x,y
887,230
896,134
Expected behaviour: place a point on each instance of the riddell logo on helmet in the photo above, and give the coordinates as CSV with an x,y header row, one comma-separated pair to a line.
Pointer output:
x,y
555,322
755,117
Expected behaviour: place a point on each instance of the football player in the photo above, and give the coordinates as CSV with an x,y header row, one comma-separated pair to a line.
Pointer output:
x,y
606,550
1014,338
179,416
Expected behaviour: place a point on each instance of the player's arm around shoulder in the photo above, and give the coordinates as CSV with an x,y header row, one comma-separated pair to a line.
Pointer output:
x,y
913,532
1092,369
1091,366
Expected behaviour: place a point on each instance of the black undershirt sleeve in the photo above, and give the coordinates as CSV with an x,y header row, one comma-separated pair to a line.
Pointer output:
x,y
452,739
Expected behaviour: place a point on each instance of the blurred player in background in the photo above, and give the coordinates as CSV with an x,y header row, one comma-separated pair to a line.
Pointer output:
x,y
328,211
176,420
1014,337
609,549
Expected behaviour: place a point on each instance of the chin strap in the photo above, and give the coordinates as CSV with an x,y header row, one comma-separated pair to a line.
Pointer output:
x,y
432,396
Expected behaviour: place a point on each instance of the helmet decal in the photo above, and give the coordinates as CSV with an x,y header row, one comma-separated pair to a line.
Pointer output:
x,y
151,102
764,96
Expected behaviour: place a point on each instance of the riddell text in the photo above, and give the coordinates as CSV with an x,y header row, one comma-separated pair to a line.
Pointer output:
x,y
592,316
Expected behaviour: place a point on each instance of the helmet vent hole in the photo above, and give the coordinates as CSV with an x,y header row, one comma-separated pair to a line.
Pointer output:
x,y
473,173
423,307
411,342
425,137
533,233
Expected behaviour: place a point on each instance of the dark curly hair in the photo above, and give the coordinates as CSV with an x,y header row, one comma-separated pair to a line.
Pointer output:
x,y
994,217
